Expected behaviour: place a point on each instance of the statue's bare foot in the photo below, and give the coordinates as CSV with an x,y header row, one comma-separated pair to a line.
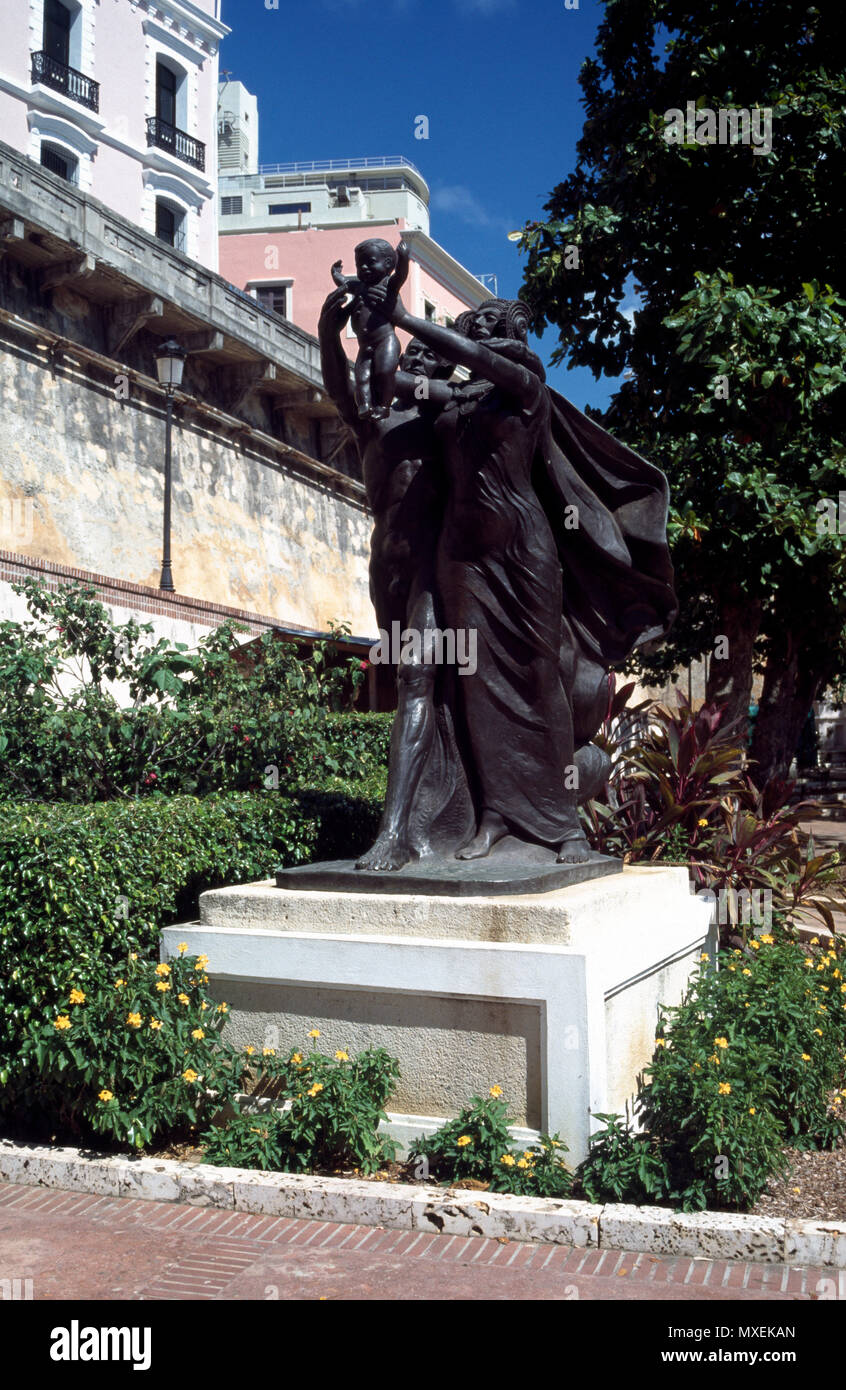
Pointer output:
x,y
575,851
390,851
492,828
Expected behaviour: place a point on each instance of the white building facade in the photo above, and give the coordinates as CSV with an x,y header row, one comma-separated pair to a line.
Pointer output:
x,y
120,99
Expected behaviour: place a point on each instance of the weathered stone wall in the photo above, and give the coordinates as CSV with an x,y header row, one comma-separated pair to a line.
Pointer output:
x,y
85,470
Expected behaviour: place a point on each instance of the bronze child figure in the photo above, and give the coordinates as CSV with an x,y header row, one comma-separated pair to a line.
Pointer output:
x,y
382,269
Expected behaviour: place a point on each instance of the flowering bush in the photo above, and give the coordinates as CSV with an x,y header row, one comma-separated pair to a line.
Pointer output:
x,y
750,1060
135,1057
478,1145
325,1113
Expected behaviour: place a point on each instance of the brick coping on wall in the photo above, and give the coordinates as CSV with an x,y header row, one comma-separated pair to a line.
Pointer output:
x,y
143,598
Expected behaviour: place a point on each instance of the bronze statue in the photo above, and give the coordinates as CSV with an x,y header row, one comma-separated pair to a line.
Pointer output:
x,y
380,268
539,532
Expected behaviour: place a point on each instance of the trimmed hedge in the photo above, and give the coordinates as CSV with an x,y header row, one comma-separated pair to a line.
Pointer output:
x,y
82,885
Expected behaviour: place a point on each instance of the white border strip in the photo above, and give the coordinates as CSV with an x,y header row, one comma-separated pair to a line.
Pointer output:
x,y
453,1211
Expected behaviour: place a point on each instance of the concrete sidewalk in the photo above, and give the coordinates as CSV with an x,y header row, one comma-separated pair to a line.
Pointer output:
x,y
82,1247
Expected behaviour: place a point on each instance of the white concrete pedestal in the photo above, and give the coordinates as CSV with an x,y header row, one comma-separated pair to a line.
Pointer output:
x,y
553,996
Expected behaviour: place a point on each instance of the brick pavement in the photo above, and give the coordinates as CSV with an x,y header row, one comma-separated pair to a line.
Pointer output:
x,y
79,1246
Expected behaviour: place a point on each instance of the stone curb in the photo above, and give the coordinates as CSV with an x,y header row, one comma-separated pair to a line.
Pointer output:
x,y
436,1210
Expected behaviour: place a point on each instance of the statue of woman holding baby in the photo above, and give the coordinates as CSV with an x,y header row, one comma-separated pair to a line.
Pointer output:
x,y
552,550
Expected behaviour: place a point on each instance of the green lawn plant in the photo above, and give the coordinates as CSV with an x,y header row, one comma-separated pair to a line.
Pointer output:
x,y
134,1056
478,1145
753,1059
321,1112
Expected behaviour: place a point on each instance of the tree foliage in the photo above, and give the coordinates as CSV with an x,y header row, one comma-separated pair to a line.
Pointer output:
x,y
734,356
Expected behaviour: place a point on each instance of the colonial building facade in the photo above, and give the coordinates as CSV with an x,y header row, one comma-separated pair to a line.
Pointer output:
x,y
120,100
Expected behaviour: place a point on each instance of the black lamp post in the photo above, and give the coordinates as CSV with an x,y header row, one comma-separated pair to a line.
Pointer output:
x,y
170,361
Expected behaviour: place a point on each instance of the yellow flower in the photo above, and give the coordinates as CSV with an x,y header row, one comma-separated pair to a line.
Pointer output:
x,y
818,1032
527,1153
297,1059
809,964
133,955
77,997
190,1075
746,1006
183,999
521,1163
202,962
105,1096
315,1033
182,947
341,1056
715,1059
463,1140
163,986
732,968
746,972
495,1091
724,1088
197,1034
62,1022
815,941
119,984
155,1024
134,1020
249,1049
806,1056
660,1042
204,1006
223,1008
721,1042
268,1052
508,1160
766,939
704,955
756,945
751,1110
315,1089
163,969
702,821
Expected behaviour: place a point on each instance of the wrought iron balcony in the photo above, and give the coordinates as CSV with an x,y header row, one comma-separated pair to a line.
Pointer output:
x,y
68,81
169,137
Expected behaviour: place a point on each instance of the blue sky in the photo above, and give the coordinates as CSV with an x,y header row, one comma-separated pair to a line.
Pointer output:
x,y
498,80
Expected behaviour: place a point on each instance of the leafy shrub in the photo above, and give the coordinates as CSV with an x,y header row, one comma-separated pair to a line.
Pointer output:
x,y
746,1062
329,1117
133,1056
478,1145
81,886
91,709
678,792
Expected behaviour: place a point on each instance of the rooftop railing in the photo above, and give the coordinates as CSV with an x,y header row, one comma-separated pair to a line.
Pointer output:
x,y
312,166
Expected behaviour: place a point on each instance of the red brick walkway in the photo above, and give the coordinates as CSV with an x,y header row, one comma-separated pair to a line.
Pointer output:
x,y
77,1246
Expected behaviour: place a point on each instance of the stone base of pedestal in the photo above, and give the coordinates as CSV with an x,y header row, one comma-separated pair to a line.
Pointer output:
x,y
552,996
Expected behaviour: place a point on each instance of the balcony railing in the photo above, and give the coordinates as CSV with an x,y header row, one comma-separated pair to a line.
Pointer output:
x,y
169,137
61,78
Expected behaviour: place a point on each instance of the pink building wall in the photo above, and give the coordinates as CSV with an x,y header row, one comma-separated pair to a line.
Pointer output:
x,y
305,257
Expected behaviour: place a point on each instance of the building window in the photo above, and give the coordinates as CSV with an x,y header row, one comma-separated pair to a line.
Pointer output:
x,y
279,209
274,298
170,226
165,94
230,207
429,311
57,27
60,162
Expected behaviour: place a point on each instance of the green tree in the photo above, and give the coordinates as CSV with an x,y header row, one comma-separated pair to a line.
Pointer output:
x,y
733,360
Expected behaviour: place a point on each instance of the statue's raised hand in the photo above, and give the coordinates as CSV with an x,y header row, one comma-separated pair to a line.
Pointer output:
x,y
335,312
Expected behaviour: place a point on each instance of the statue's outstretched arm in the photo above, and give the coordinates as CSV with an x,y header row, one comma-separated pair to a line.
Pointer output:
x,y
333,360
510,376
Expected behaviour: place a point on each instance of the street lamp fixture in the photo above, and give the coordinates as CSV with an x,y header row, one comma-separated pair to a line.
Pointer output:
x,y
170,362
